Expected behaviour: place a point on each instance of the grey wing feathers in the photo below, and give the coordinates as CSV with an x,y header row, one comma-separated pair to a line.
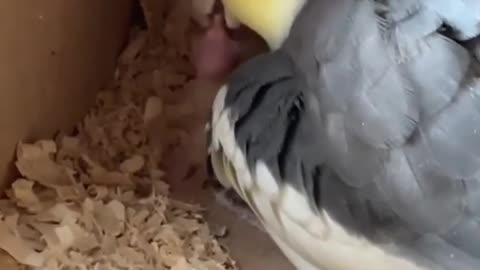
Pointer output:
x,y
428,180
358,75
400,94
371,61
461,15
394,153
434,64
437,73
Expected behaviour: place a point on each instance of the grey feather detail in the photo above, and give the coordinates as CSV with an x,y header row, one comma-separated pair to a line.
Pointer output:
x,y
400,10
346,150
437,73
357,75
384,135
452,140
408,22
400,105
412,183
465,236
375,85
376,76
476,48
462,15
444,254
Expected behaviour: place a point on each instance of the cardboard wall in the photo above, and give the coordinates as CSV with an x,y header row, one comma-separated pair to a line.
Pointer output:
x,y
54,56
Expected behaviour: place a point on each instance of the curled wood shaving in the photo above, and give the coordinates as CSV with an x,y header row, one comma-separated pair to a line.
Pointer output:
x,y
98,200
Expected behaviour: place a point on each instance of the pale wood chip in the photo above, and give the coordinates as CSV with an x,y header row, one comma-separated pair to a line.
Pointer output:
x,y
44,170
153,109
19,249
24,195
133,164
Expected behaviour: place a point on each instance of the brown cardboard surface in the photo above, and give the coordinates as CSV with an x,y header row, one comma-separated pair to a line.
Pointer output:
x,y
54,55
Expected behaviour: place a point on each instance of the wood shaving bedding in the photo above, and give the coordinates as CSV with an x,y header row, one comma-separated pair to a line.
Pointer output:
x,y
97,199
52,220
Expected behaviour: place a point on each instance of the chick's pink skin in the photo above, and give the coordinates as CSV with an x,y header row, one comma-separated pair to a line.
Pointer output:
x,y
215,53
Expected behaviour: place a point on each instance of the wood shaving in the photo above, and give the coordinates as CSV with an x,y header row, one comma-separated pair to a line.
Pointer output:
x,y
101,227
98,200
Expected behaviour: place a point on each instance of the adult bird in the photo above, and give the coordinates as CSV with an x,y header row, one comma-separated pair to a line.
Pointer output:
x,y
356,139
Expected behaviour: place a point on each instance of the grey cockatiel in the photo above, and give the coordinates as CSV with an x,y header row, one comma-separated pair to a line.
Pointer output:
x,y
356,140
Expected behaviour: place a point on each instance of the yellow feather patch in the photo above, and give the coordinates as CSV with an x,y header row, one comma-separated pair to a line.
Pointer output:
x,y
271,19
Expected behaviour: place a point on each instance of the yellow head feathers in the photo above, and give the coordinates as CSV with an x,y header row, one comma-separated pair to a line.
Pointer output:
x,y
271,19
